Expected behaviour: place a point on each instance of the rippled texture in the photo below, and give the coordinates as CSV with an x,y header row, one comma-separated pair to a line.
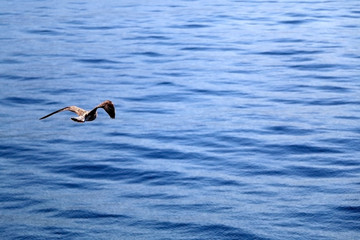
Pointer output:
x,y
235,120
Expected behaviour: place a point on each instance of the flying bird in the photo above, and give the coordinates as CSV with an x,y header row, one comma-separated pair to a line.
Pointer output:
x,y
84,115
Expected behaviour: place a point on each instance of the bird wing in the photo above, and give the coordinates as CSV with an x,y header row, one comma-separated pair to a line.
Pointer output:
x,y
108,106
74,109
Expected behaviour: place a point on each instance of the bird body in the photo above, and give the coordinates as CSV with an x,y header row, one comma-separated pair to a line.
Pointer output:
x,y
84,115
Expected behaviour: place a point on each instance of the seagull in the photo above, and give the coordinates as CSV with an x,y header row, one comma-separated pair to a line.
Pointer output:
x,y
84,115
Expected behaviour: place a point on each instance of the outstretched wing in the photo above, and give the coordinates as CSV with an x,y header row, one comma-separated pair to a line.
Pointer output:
x,y
108,106
74,109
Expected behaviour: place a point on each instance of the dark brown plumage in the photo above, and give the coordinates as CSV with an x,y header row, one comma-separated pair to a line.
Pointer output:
x,y
84,115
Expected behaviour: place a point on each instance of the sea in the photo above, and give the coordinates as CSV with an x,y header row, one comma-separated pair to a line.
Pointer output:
x,y
235,119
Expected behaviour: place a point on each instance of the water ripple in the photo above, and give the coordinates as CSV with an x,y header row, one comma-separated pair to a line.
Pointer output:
x,y
289,130
96,61
86,214
44,32
22,100
206,231
290,52
299,149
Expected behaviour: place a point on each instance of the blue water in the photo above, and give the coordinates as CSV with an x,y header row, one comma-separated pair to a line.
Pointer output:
x,y
235,119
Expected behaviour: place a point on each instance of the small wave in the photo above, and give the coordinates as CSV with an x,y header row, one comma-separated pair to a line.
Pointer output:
x,y
10,61
190,26
166,97
290,52
289,130
196,49
173,74
149,54
298,149
22,100
108,172
316,66
172,154
296,21
332,102
315,172
45,210
149,37
349,215
59,232
237,140
325,88
75,22
152,196
166,83
17,201
44,32
202,231
150,110
98,27
266,172
18,77
87,214
96,61
317,102
58,91
288,40
216,92
350,209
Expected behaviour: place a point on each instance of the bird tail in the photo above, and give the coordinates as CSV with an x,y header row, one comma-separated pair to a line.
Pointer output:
x,y
80,119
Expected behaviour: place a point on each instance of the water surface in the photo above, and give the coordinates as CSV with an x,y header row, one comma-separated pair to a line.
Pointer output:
x,y
235,120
